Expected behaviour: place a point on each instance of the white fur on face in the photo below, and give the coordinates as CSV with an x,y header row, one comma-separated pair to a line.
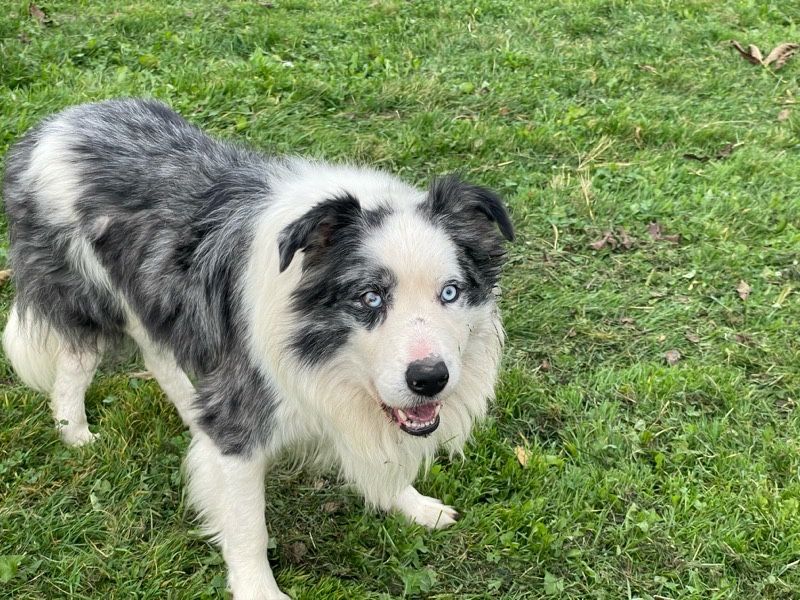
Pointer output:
x,y
418,325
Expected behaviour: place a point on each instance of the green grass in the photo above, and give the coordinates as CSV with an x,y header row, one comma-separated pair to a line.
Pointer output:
x,y
643,480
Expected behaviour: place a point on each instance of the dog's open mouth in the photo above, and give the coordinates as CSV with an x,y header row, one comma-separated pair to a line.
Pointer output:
x,y
416,420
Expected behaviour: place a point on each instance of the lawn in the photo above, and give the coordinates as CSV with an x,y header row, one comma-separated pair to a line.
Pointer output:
x,y
645,442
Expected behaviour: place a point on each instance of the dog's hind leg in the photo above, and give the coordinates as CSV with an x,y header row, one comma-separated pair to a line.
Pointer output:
x,y
49,364
74,372
162,364
32,348
228,493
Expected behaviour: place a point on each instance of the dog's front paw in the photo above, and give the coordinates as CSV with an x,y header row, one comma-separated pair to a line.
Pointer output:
x,y
271,593
274,595
253,580
424,510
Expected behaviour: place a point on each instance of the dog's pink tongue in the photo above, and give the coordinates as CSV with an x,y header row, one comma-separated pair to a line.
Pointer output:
x,y
426,412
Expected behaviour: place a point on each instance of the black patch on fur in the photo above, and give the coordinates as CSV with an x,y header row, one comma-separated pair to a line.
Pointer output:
x,y
317,230
471,216
335,275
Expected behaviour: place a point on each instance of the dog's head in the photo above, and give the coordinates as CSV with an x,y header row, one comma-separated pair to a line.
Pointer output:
x,y
399,294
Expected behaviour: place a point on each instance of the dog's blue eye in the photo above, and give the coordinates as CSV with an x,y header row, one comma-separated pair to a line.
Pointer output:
x,y
372,300
449,294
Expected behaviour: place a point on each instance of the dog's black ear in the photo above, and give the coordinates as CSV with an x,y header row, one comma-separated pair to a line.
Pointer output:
x,y
317,229
451,195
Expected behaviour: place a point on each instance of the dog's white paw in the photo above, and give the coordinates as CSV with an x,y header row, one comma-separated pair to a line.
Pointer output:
x,y
77,435
424,510
274,594
252,581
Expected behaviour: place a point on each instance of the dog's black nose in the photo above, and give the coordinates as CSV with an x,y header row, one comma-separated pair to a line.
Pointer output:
x,y
427,377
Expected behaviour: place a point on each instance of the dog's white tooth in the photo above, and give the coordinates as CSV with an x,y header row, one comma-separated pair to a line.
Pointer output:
x,y
403,416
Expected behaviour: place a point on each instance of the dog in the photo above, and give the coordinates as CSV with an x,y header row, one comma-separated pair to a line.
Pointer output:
x,y
320,310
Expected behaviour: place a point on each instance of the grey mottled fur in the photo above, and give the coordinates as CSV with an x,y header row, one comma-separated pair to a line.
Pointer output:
x,y
168,211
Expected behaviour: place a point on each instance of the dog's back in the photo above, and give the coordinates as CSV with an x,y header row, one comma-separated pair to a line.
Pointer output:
x,y
127,196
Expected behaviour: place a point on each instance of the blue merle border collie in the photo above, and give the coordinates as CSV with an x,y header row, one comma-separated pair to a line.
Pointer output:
x,y
321,310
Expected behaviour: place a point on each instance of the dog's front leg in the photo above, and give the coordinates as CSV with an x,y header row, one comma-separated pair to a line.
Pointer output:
x,y
424,510
386,485
244,532
228,492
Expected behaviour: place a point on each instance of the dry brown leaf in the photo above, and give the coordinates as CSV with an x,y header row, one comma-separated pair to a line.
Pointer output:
x,y
5,276
296,551
38,14
627,321
743,338
724,152
331,507
522,455
624,239
648,68
743,289
654,229
784,115
697,157
612,240
781,53
606,240
656,232
637,135
752,54
544,365
672,357
144,375
692,337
